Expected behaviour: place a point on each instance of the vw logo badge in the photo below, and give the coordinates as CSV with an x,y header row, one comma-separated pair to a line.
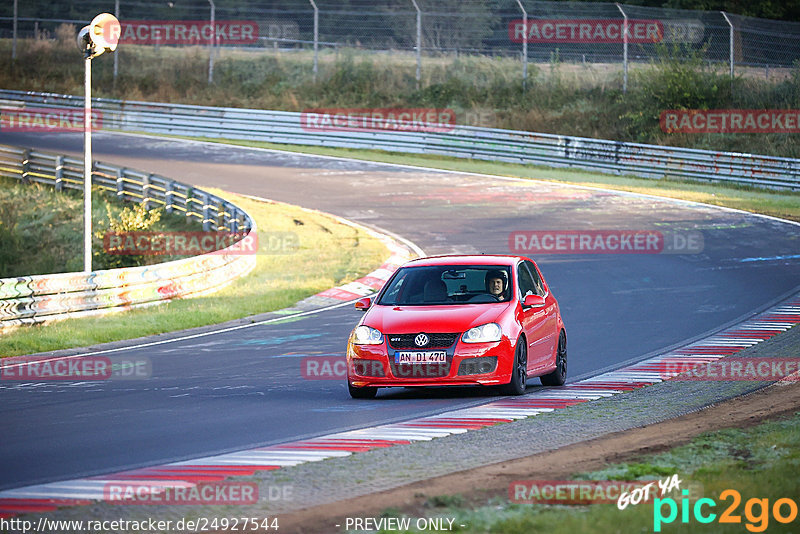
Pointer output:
x,y
421,340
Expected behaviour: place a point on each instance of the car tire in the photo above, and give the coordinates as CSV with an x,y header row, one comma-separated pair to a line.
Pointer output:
x,y
362,393
559,376
519,374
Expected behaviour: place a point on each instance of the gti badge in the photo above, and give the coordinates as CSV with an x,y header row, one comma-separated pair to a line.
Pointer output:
x,y
421,340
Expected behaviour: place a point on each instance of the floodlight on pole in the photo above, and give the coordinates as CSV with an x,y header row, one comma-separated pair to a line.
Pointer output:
x,y
101,35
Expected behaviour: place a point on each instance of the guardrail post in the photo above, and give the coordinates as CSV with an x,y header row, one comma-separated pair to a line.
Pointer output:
x,y
121,183
206,213
220,220
187,202
59,174
233,223
26,166
168,196
146,191
624,49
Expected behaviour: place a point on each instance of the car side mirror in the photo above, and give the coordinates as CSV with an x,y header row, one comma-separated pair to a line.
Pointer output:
x,y
363,304
533,301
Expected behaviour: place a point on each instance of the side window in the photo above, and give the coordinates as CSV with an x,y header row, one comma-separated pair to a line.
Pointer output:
x,y
525,281
537,280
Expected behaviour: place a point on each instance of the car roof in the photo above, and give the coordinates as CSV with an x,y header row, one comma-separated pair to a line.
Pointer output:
x,y
459,259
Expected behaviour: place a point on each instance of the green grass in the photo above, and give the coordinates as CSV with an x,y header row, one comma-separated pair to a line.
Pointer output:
x,y
41,230
329,253
783,204
761,462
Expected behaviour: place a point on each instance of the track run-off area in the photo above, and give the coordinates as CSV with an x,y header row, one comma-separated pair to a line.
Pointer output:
x,y
236,390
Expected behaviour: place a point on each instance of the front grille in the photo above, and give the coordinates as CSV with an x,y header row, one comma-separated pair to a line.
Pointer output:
x,y
416,371
436,341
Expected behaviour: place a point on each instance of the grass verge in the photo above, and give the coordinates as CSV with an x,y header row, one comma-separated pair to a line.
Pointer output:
x,y
41,229
783,204
567,98
759,462
328,254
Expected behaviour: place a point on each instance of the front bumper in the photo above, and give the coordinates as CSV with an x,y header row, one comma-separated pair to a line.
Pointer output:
x,y
467,364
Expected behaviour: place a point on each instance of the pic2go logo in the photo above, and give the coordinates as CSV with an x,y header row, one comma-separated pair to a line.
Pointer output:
x,y
756,511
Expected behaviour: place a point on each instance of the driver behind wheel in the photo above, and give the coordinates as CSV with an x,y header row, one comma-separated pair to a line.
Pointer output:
x,y
496,284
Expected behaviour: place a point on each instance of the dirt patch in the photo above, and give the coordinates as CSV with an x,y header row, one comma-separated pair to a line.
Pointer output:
x,y
477,485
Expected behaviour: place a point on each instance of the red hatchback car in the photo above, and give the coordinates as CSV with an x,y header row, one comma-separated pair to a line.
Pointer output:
x,y
455,321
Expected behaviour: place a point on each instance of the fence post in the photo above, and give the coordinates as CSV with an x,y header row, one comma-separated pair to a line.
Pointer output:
x,y
316,38
624,49
419,42
213,43
730,32
524,46
14,45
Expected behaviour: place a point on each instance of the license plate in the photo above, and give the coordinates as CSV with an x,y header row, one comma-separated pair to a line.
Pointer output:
x,y
437,356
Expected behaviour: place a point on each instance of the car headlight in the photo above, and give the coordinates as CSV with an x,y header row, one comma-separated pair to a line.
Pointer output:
x,y
485,333
365,335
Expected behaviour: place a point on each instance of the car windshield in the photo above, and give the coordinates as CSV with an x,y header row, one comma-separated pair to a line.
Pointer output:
x,y
447,285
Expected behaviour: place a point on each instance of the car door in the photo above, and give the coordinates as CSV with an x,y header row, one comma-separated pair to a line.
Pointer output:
x,y
533,320
550,329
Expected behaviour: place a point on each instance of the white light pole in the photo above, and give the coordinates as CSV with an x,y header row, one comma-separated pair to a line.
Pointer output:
x,y
87,163
101,35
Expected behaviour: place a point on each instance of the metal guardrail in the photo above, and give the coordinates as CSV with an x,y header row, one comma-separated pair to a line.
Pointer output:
x,y
647,161
36,299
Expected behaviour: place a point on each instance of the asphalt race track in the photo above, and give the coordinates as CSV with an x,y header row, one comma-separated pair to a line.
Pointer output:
x,y
230,391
